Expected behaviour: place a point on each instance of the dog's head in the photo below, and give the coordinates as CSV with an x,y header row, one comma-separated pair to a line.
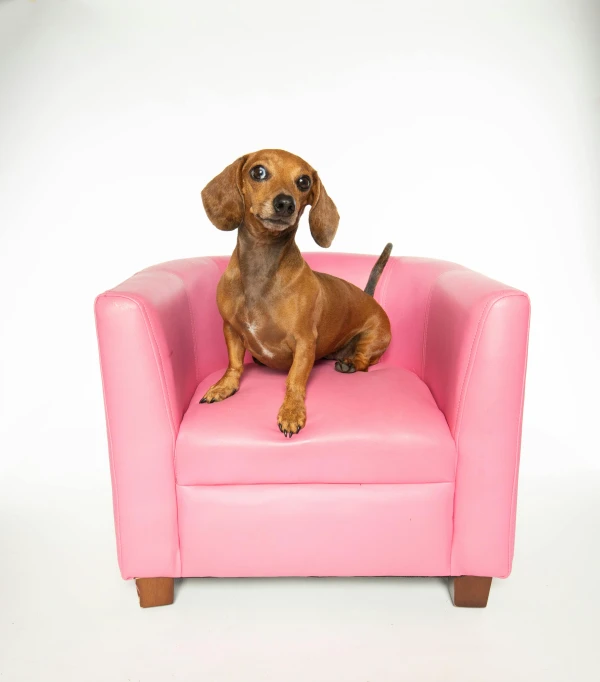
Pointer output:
x,y
267,191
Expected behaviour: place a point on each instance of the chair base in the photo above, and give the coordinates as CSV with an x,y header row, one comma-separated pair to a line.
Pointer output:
x,y
471,591
155,591
467,591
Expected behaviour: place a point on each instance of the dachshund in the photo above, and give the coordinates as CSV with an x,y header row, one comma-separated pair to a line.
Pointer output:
x,y
271,302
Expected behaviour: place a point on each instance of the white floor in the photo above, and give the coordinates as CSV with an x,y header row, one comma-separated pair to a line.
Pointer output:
x,y
65,614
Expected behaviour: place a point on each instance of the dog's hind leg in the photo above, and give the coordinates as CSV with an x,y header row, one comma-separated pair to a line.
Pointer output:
x,y
370,345
345,351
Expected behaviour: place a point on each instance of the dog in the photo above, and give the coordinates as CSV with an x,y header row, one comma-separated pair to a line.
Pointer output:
x,y
271,302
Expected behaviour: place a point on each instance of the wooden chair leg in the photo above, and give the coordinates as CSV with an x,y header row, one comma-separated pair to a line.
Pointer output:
x,y
471,591
155,591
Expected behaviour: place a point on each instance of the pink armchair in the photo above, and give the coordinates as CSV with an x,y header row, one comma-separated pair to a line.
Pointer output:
x,y
409,469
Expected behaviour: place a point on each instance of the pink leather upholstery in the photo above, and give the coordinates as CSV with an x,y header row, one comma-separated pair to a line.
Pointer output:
x,y
474,360
382,426
315,529
420,479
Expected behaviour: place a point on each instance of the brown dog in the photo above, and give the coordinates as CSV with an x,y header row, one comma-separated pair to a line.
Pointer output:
x,y
271,302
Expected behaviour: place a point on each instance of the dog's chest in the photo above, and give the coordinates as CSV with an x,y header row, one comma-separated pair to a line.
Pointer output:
x,y
255,318
262,336
253,333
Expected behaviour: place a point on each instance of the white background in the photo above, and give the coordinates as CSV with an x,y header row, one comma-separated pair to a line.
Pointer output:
x,y
467,131
463,131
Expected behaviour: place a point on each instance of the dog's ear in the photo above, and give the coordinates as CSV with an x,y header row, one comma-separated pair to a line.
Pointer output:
x,y
323,217
223,199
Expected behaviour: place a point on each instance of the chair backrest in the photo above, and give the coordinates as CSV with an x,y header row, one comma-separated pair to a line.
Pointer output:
x,y
403,291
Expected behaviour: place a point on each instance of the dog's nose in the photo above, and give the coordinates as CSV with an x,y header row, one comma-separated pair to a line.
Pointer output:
x,y
284,204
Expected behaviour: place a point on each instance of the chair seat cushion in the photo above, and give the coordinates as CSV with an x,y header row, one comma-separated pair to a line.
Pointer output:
x,y
380,426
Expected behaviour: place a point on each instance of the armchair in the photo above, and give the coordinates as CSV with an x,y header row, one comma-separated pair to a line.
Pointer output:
x,y
408,469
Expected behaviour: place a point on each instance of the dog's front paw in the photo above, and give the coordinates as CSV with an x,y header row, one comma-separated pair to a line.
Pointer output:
x,y
221,390
291,417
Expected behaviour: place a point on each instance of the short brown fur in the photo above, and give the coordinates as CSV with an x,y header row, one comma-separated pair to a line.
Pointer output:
x,y
271,302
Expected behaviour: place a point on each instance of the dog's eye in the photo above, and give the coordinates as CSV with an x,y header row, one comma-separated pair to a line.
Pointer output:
x,y
259,173
303,183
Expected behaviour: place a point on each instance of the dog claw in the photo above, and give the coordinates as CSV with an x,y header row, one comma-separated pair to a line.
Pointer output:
x,y
290,433
203,400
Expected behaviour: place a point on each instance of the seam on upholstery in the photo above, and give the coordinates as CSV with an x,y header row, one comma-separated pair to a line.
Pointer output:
x,y
513,510
199,377
426,323
187,295
192,325
471,362
469,368
177,518
426,329
474,344
111,455
354,483
465,387
165,392
174,427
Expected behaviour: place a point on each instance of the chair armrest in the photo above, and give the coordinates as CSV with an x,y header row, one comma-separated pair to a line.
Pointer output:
x,y
475,356
152,353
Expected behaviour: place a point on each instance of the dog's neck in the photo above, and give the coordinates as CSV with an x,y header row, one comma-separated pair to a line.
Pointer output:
x,y
261,258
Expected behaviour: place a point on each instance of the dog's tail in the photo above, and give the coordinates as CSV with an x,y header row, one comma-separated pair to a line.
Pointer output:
x,y
378,269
